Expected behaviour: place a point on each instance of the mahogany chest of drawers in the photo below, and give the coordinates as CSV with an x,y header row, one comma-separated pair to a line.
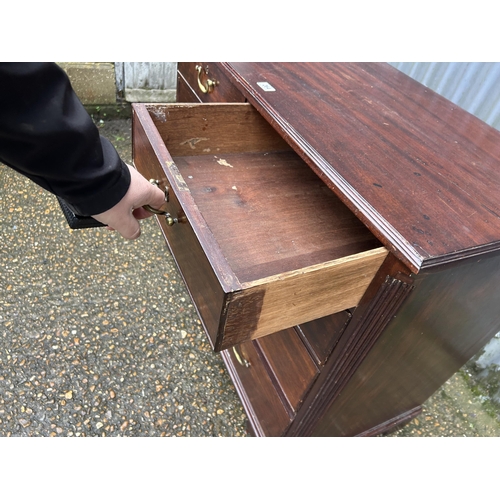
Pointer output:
x,y
337,227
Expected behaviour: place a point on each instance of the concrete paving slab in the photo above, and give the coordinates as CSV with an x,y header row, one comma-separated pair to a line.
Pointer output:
x,y
93,82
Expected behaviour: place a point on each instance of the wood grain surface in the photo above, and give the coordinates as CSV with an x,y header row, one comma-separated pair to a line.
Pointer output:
x,y
450,315
188,78
290,366
262,243
420,172
421,175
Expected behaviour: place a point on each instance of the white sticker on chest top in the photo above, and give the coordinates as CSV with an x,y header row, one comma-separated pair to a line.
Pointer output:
x,y
267,87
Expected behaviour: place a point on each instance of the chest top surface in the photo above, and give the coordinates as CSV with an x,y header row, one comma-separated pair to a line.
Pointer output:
x,y
421,173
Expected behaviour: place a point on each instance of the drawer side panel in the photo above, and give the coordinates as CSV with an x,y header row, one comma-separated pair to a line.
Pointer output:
x,y
197,272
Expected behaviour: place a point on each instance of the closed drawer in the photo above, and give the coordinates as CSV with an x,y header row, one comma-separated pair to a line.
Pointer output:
x,y
290,366
207,82
261,242
184,91
263,405
321,335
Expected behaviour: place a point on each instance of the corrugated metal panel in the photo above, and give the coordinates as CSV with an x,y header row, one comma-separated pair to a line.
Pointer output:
x,y
474,87
147,81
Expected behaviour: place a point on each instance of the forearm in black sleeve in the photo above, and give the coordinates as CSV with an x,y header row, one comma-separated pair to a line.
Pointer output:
x,y
47,135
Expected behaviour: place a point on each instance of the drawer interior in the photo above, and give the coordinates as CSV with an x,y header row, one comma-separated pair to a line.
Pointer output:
x,y
262,243
268,211
269,214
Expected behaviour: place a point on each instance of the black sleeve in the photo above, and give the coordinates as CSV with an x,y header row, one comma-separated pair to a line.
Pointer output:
x,y
47,135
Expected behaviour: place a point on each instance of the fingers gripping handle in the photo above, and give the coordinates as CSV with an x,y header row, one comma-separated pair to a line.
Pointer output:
x,y
76,221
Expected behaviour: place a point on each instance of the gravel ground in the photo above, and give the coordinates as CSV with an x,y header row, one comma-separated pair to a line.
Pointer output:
x,y
98,336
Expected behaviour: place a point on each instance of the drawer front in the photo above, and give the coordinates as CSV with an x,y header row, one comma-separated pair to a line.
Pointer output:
x,y
208,83
265,411
321,335
290,365
248,242
184,92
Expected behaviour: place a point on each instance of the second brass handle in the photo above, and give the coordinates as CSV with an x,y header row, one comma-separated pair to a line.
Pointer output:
x,y
209,84
241,360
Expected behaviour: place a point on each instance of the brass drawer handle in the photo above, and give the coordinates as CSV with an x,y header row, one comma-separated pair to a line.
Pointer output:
x,y
209,85
170,220
156,182
241,360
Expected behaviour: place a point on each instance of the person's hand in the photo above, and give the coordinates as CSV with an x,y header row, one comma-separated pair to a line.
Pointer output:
x,y
125,215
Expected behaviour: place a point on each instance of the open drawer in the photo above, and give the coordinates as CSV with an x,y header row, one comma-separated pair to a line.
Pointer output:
x,y
260,240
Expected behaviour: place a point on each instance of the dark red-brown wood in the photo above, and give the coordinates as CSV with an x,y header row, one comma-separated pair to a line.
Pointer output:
x,y
421,173
269,214
290,365
184,92
381,302
321,336
187,81
207,294
256,228
449,316
264,408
